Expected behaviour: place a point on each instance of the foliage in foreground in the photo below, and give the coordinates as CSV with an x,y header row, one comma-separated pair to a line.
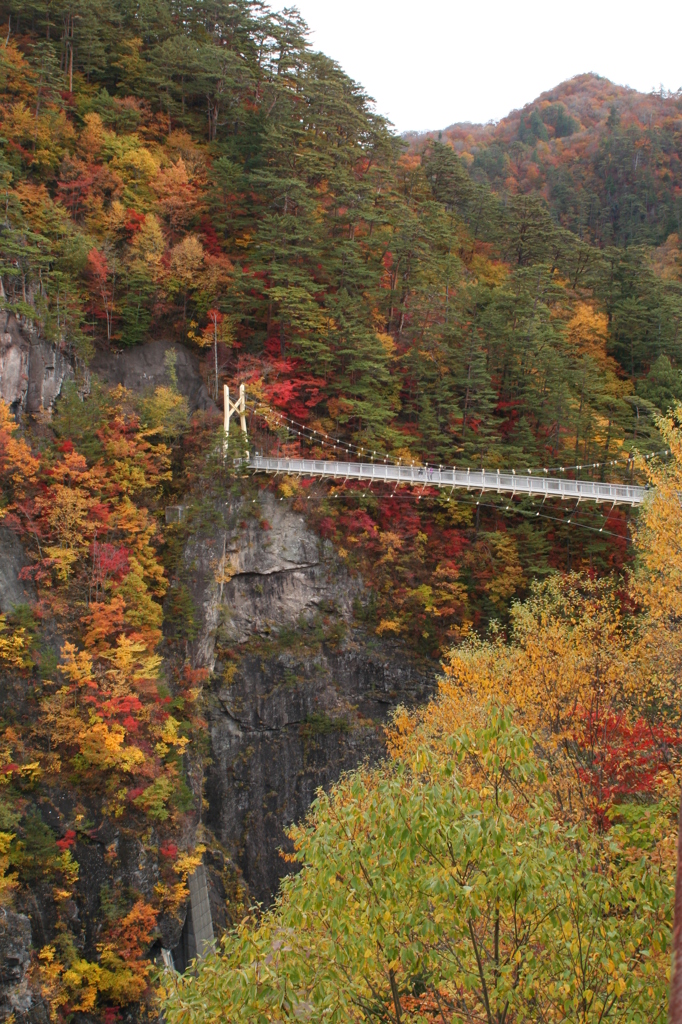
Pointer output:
x,y
448,874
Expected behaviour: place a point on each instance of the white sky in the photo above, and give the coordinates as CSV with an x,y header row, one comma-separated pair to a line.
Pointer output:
x,y
430,63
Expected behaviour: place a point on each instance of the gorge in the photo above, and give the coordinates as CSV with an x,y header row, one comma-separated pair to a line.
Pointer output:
x,y
193,199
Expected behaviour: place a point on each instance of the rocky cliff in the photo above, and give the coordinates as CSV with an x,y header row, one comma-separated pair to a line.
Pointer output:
x,y
299,688
145,367
298,692
16,997
32,370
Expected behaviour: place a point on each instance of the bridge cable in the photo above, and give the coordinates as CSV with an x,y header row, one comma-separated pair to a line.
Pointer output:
x,y
376,455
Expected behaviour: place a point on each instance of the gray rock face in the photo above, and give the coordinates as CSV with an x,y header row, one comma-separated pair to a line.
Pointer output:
x,y
16,996
299,690
284,725
272,571
32,370
14,350
13,591
144,368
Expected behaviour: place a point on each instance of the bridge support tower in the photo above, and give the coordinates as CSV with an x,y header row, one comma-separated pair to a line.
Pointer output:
x,y
237,408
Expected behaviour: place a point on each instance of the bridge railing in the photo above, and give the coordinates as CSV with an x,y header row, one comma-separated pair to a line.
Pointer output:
x,y
469,479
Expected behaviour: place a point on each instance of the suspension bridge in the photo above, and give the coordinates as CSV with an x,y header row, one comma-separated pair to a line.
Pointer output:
x,y
481,481
471,480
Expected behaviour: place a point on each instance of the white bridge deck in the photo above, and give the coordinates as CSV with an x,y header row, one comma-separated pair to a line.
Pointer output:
x,y
470,480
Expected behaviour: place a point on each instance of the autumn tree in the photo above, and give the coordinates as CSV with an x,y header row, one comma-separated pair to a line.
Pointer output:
x,y
446,875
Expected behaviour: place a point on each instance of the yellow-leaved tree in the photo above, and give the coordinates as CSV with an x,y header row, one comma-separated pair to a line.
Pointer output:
x,y
658,586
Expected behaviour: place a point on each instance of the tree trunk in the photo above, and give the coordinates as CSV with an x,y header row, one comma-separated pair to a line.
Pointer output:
x,y
215,352
396,997
675,1004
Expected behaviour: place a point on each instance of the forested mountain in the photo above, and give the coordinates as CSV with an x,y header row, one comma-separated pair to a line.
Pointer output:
x,y
605,158
507,296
